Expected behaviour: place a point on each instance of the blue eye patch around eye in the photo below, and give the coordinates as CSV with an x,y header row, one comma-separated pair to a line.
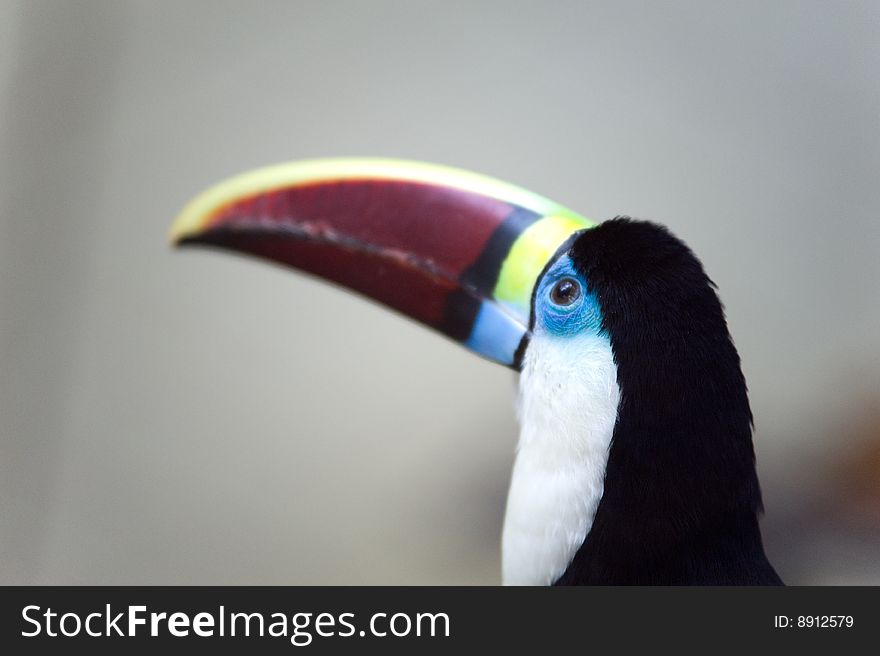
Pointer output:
x,y
582,316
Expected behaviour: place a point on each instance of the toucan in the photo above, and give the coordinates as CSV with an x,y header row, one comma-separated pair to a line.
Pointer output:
x,y
635,463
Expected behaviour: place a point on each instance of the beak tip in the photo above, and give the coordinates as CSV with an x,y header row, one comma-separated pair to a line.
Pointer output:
x,y
186,228
176,239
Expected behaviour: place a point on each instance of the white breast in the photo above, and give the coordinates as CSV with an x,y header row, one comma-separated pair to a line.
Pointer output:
x,y
568,398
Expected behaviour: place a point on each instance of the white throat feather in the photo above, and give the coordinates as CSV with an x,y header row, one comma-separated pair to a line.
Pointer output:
x,y
567,408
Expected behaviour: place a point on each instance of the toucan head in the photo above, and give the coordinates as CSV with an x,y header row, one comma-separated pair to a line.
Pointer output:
x,y
507,273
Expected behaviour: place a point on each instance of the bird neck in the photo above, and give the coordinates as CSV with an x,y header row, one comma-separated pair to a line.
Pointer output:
x,y
681,496
567,409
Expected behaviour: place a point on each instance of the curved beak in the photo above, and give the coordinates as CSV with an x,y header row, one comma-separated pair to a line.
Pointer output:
x,y
456,251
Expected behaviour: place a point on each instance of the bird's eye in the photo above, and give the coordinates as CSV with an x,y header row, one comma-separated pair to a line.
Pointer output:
x,y
565,292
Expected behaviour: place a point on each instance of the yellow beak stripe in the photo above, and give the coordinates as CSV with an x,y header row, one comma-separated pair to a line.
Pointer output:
x,y
528,256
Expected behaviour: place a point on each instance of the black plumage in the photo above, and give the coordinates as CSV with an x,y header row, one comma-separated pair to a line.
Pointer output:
x,y
681,499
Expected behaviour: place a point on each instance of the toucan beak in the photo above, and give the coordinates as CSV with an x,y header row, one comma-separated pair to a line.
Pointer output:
x,y
456,251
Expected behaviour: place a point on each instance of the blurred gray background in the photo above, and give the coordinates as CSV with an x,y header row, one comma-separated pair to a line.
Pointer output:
x,y
193,418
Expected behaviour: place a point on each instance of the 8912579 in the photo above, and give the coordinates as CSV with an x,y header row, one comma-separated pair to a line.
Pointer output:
x,y
814,622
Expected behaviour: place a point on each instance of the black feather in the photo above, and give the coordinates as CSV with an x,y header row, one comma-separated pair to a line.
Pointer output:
x,y
681,499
